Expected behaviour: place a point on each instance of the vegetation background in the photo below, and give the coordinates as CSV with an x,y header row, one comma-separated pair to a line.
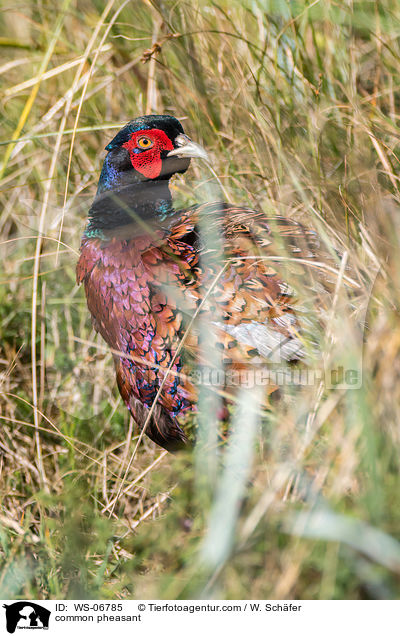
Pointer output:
x,y
298,103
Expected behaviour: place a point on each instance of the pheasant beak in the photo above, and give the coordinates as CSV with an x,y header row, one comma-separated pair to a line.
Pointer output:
x,y
188,149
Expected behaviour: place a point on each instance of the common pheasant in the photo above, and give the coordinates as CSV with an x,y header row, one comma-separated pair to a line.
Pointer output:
x,y
150,272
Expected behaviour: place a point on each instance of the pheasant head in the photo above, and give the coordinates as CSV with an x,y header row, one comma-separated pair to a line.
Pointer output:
x,y
133,183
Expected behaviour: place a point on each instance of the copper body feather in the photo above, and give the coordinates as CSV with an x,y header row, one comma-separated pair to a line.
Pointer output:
x,y
143,290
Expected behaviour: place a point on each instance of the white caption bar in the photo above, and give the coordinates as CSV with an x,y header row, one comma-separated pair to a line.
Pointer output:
x,y
311,618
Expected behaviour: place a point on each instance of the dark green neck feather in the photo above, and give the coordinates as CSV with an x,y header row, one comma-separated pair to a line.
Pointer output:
x,y
143,202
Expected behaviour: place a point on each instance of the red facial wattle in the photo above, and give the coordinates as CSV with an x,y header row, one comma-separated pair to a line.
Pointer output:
x,y
148,162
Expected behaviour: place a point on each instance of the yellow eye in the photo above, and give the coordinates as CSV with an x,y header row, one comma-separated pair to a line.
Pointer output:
x,y
144,142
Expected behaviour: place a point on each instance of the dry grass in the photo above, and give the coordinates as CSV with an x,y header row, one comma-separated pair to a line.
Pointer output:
x,y
297,104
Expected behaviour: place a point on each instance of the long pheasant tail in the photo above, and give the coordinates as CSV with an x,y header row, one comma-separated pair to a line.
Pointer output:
x,y
163,429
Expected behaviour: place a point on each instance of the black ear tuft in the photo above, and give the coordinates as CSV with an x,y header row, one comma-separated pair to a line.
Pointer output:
x,y
120,138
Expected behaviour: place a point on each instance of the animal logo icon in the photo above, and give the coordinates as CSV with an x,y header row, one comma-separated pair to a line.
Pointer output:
x,y
26,615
